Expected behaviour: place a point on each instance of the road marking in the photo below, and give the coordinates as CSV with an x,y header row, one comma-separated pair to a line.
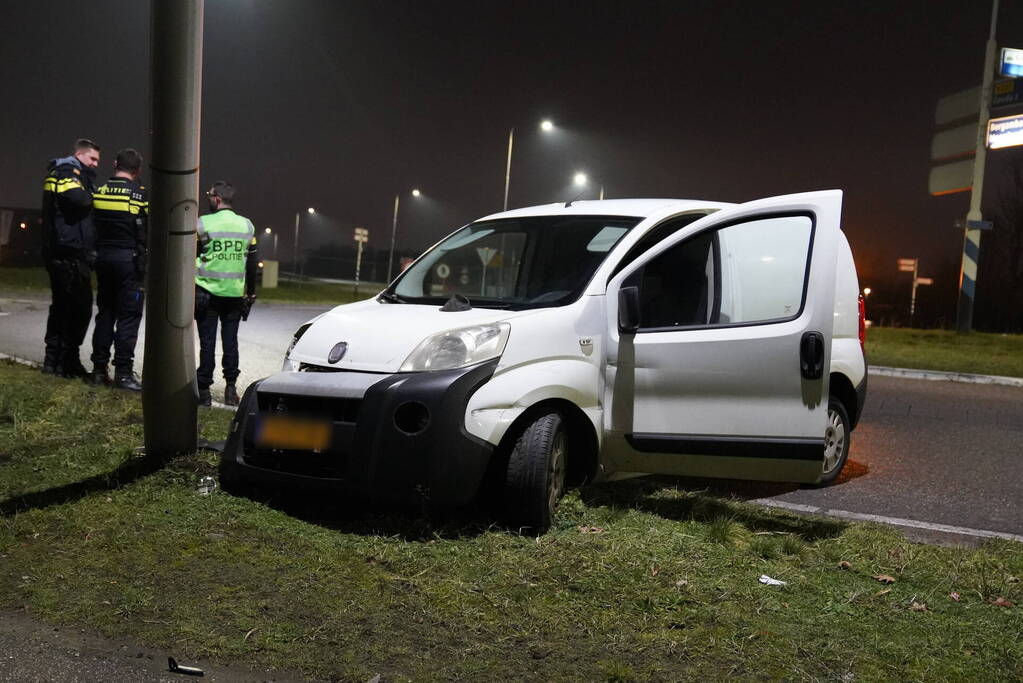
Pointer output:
x,y
935,375
892,521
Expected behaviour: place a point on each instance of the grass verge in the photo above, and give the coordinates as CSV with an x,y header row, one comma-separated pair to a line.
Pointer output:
x,y
317,292
977,352
24,279
639,580
305,292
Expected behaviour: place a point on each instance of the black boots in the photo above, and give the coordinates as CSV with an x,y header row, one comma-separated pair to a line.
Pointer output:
x,y
99,377
128,381
73,369
230,396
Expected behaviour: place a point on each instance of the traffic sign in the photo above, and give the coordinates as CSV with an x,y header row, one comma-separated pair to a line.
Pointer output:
x,y
956,176
907,265
1006,131
1011,63
954,142
361,235
1007,92
960,105
485,254
963,224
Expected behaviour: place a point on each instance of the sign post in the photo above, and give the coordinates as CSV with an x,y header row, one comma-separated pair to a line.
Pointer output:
x,y
971,238
911,265
361,236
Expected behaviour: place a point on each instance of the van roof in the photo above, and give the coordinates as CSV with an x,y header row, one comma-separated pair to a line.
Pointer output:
x,y
638,208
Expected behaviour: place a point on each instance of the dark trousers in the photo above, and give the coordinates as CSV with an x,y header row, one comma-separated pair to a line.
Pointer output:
x,y
120,300
70,310
209,309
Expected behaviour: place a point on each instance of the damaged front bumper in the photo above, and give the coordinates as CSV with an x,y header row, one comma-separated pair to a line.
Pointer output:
x,y
394,438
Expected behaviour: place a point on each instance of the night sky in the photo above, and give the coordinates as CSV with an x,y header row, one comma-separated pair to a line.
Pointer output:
x,y
339,105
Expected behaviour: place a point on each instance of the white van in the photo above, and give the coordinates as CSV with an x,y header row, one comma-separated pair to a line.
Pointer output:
x,y
544,347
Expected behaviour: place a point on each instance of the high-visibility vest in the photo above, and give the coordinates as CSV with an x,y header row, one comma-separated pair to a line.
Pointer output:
x,y
225,238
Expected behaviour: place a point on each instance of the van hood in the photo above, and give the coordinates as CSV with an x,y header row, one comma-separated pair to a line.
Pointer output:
x,y
380,336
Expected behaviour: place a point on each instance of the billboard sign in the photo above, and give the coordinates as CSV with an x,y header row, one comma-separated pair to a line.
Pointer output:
x,y
1006,131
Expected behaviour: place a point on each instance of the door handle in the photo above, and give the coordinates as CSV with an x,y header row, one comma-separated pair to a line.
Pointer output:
x,y
811,355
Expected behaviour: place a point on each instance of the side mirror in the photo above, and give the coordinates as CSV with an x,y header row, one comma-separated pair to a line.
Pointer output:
x,y
628,310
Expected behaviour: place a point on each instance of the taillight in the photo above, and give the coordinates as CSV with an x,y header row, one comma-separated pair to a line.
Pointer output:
x,y
863,324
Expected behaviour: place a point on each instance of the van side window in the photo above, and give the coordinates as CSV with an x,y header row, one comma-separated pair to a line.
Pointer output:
x,y
749,272
655,235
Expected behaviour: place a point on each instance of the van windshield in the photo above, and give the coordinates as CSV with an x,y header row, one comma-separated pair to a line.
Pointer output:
x,y
514,263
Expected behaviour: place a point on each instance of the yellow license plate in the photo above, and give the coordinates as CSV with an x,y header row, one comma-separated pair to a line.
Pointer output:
x,y
293,433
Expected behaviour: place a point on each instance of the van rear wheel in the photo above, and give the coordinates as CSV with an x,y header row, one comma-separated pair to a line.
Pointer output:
x,y
537,469
836,441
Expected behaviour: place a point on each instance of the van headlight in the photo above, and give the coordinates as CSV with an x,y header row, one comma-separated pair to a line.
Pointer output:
x,y
458,348
290,365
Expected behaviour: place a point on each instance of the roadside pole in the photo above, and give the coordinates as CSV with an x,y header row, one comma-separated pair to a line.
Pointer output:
x,y
971,240
169,393
361,235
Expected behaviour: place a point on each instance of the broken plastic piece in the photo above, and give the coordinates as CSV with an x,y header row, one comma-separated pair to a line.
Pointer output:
x,y
207,485
173,666
767,580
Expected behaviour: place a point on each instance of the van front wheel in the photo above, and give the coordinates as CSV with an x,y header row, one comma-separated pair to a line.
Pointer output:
x,y
537,469
836,441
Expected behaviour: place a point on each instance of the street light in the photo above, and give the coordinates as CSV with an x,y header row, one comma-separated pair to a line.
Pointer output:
x,y
394,229
297,214
546,126
582,180
269,231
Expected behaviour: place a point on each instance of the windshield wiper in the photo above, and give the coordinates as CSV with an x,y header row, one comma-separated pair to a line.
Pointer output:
x,y
390,297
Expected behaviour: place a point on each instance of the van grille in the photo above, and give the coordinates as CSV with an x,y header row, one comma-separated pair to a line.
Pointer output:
x,y
330,464
337,409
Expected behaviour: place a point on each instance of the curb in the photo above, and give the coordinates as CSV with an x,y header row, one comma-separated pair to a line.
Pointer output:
x,y
897,522
36,365
939,376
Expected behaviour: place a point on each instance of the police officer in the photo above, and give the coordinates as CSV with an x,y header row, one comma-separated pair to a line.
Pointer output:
x,y
226,271
69,241
120,212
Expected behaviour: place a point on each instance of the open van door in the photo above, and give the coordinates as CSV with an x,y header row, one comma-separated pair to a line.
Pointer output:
x,y
719,345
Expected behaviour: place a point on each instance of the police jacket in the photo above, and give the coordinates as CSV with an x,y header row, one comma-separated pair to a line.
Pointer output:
x,y
120,210
227,263
68,230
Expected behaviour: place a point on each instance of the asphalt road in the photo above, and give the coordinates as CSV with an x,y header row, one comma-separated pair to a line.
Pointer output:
x,y
938,452
262,339
930,451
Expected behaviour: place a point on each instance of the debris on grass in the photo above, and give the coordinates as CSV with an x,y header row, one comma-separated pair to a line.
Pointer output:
x,y
585,529
844,565
954,596
1002,602
768,581
918,607
884,578
174,667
